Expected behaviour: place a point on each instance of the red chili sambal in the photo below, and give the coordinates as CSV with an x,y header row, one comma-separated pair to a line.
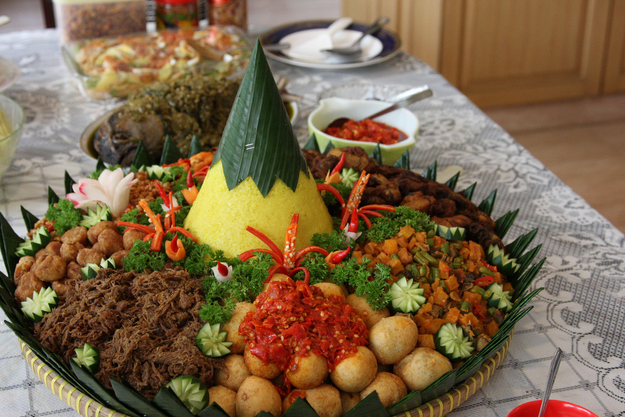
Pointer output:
x,y
367,130
294,319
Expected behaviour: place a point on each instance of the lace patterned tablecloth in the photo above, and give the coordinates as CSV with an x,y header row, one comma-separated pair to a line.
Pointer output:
x,y
581,309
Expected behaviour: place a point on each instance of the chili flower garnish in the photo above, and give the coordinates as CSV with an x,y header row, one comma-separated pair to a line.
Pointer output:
x,y
287,262
157,233
222,272
175,249
353,202
335,174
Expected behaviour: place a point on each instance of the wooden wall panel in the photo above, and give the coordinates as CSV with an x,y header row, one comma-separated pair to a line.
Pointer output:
x,y
532,50
615,63
501,52
418,23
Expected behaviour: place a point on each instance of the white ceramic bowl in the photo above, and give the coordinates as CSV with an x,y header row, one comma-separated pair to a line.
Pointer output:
x,y
15,116
331,109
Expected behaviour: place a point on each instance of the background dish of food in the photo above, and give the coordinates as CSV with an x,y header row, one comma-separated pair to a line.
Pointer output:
x,y
9,73
13,116
87,137
113,67
87,19
389,41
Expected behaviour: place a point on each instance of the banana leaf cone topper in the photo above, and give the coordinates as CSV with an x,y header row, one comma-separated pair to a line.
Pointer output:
x,y
259,176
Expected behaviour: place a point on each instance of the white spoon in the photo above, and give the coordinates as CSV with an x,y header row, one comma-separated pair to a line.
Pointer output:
x,y
4,20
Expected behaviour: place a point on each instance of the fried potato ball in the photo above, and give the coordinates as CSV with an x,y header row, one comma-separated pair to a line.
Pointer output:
x,y
275,277
257,367
234,372
225,397
255,395
307,371
324,399
392,338
349,400
232,326
355,372
421,367
329,288
390,388
368,314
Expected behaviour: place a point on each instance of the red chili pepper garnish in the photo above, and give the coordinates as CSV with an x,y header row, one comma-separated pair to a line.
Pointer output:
x,y
190,182
491,267
340,164
141,227
162,193
353,224
202,172
222,268
339,256
484,281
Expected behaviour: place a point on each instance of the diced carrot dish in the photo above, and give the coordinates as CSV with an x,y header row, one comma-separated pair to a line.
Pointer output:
x,y
452,315
451,296
390,247
440,297
426,341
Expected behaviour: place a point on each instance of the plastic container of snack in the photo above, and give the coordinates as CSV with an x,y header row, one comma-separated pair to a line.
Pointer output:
x,y
113,67
86,19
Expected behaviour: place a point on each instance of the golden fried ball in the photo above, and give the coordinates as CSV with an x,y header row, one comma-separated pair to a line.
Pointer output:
x,y
392,338
349,400
421,367
234,372
255,395
329,288
232,326
390,388
324,399
368,314
275,277
257,367
307,371
225,397
356,371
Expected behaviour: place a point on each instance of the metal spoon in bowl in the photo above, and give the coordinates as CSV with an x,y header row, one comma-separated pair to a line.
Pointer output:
x,y
401,100
555,364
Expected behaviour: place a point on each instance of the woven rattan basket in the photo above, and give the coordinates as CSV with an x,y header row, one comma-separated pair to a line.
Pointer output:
x,y
89,407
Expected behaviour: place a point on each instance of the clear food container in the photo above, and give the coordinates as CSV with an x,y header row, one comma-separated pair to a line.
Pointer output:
x,y
113,67
87,19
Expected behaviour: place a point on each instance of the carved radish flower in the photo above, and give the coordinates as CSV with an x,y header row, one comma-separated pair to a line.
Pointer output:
x,y
223,272
111,188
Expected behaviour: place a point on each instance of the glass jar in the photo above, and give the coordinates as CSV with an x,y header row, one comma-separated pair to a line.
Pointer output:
x,y
228,12
176,14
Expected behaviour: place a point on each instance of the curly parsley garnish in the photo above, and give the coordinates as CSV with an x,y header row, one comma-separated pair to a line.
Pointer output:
x,y
64,215
385,227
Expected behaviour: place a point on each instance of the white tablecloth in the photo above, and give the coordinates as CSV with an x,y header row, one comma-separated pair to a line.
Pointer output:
x,y
581,309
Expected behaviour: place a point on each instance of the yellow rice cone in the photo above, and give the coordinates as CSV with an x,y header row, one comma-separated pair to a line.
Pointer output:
x,y
219,216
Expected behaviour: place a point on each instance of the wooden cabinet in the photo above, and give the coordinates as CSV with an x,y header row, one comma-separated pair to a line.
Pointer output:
x,y
512,51
615,60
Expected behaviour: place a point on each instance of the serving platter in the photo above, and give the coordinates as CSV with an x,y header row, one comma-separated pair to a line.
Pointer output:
x,y
385,41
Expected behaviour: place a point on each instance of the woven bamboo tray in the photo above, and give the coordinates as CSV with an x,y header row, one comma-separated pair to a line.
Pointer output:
x,y
88,407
